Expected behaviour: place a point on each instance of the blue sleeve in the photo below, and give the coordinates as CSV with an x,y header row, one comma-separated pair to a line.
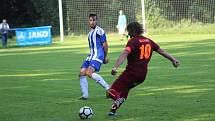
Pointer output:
x,y
102,35
103,38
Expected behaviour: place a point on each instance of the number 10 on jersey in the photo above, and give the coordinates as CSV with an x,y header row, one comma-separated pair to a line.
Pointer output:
x,y
145,51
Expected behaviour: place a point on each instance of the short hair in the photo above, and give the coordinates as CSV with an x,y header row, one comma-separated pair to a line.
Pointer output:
x,y
134,29
92,15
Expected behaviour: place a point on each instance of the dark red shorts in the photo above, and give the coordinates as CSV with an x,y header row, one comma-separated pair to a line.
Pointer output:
x,y
126,81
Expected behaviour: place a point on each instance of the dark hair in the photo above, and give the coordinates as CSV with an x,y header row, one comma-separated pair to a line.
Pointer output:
x,y
135,29
92,15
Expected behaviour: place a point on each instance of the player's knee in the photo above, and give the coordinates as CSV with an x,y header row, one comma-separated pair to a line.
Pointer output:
x,y
113,94
81,74
88,73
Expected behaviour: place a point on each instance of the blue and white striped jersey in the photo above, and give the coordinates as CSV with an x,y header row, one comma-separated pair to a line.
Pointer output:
x,y
96,38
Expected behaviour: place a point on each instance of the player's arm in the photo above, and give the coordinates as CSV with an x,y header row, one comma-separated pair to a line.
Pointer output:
x,y
119,61
165,54
105,46
8,27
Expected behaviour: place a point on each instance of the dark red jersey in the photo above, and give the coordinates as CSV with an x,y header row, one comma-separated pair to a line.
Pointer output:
x,y
140,52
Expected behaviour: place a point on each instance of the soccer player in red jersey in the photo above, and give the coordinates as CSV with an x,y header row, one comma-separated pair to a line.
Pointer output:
x,y
138,52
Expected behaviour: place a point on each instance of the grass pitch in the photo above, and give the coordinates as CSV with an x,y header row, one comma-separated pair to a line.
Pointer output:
x,y
40,83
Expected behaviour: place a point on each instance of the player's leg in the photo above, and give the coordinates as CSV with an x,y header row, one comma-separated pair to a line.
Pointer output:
x,y
121,33
95,66
119,92
4,40
91,73
116,104
113,94
118,101
125,92
83,81
121,37
119,88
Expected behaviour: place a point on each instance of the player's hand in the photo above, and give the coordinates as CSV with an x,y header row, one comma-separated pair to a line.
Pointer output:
x,y
113,72
106,60
176,63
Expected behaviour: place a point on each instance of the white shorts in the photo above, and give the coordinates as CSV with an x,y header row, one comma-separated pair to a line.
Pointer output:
x,y
121,30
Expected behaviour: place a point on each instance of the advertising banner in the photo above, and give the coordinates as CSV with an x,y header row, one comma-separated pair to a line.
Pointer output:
x,y
33,36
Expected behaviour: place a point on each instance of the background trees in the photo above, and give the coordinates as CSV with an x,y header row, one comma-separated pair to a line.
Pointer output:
x,y
159,13
29,13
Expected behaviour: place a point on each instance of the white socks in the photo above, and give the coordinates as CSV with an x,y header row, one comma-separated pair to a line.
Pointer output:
x,y
100,80
84,86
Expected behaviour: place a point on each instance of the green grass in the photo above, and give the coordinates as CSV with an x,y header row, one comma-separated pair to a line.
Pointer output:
x,y
40,83
184,28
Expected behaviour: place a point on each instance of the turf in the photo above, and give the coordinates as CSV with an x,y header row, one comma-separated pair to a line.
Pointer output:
x,y
40,83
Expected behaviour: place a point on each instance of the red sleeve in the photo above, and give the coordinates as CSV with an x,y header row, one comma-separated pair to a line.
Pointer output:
x,y
130,46
128,49
155,46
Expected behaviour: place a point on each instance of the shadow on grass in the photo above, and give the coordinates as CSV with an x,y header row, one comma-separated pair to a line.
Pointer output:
x,y
185,94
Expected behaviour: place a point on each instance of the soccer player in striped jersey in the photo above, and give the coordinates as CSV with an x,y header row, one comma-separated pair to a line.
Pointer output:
x,y
98,54
138,52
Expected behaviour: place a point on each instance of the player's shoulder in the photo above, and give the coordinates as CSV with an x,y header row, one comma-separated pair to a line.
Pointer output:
x,y
144,39
139,39
132,41
99,30
151,42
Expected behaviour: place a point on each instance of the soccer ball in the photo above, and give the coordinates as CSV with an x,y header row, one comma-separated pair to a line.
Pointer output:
x,y
85,112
